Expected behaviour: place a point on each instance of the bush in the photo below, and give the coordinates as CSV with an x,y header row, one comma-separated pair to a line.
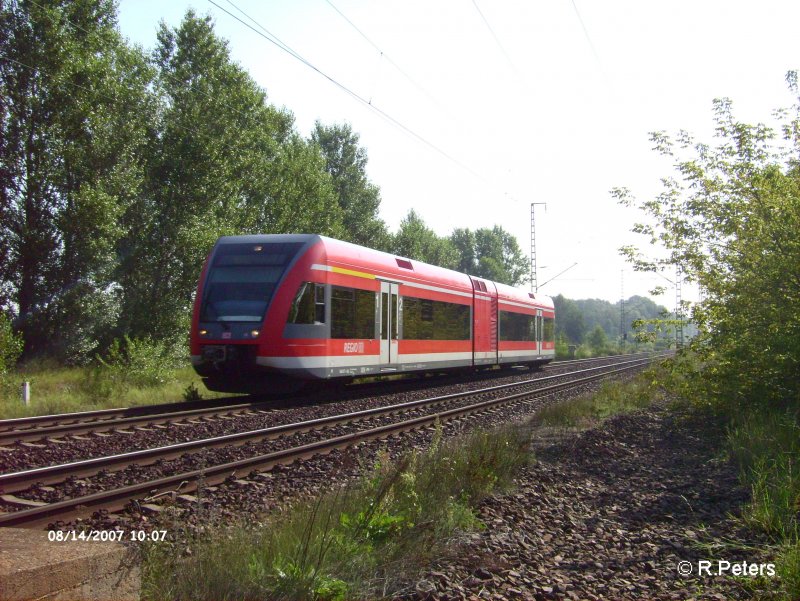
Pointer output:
x,y
360,541
10,345
10,350
766,445
131,363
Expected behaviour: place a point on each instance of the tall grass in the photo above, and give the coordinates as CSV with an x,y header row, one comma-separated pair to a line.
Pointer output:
x,y
613,398
767,448
357,541
763,439
133,372
766,445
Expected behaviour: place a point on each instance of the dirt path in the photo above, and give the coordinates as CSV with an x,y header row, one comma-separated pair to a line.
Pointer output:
x,y
610,513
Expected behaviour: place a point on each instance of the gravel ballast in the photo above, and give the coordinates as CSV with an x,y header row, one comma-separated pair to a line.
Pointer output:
x,y
610,513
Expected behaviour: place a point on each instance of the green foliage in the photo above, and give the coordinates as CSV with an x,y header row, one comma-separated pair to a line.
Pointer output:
x,y
577,317
10,346
358,198
355,542
562,347
613,398
119,170
766,445
788,568
192,393
598,340
729,219
417,241
75,110
493,254
569,323
59,389
131,363
376,527
224,162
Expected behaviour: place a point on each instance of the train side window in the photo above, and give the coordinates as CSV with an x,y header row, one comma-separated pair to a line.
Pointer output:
x,y
425,319
319,303
518,327
549,329
308,306
384,314
352,313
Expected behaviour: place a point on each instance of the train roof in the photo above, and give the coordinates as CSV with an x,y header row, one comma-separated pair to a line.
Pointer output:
x,y
392,267
505,292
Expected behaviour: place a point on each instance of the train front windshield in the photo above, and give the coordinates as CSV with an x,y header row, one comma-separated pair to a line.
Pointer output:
x,y
242,280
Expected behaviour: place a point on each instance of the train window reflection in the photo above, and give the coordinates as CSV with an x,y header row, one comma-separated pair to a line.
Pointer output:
x,y
242,280
352,313
308,306
517,326
425,319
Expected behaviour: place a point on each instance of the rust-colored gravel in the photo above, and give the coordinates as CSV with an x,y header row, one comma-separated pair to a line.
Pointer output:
x,y
608,514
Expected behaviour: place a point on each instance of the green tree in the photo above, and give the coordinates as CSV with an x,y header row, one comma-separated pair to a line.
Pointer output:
x,y
359,199
74,108
730,219
493,254
500,257
463,240
569,320
417,241
224,162
10,346
598,340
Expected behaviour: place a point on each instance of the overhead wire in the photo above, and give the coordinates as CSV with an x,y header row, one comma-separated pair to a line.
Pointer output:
x,y
286,48
223,146
585,31
173,79
496,39
586,34
385,56
273,39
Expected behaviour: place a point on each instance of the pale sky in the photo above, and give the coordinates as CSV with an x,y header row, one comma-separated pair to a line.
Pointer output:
x,y
523,101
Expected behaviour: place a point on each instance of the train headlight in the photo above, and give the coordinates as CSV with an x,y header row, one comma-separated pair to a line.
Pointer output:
x,y
254,333
203,332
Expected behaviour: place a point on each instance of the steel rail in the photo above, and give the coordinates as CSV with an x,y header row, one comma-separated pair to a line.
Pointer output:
x,y
116,499
17,481
104,420
76,429
21,423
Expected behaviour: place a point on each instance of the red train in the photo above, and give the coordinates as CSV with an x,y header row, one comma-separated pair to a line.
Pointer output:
x,y
272,308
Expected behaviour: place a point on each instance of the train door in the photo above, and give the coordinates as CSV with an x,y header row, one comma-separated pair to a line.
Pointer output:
x,y
484,322
389,324
493,330
539,331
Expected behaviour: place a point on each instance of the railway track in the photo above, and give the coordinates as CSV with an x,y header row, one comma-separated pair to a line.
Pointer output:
x,y
300,440
42,428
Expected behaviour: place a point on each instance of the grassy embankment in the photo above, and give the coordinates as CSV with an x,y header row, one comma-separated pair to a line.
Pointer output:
x,y
368,539
766,446
365,540
66,389
144,374
138,372
763,439
353,542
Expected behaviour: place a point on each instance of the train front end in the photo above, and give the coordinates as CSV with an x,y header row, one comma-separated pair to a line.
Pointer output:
x,y
237,287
